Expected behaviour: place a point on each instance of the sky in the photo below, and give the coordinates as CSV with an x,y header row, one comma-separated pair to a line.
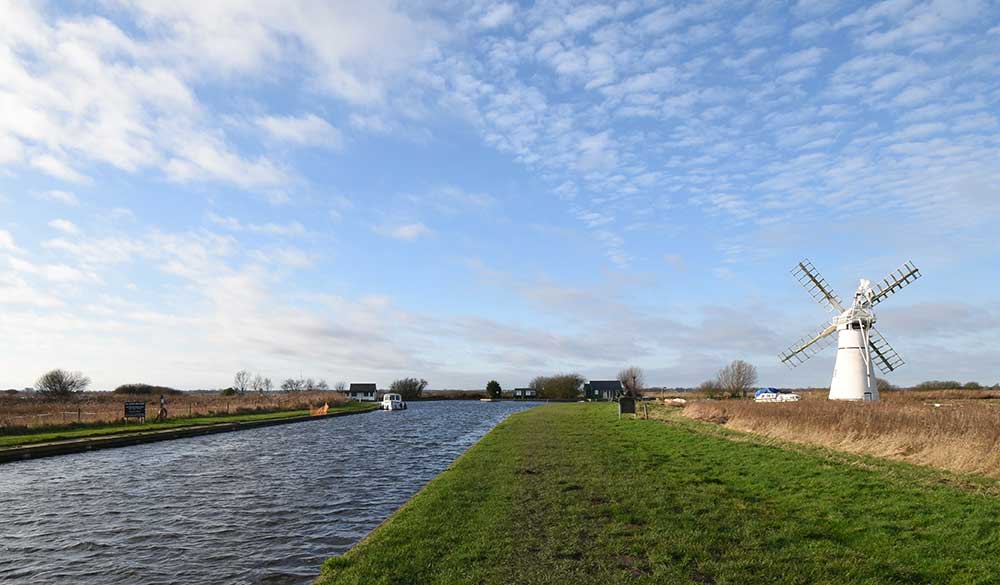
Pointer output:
x,y
460,191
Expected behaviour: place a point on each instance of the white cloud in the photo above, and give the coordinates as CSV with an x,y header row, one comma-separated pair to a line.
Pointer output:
x,y
60,196
308,130
64,225
57,168
7,242
406,231
497,15
275,229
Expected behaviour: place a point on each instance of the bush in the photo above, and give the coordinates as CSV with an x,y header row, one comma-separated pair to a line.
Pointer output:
x,y
408,388
61,384
228,392
144,389
938,385
558,386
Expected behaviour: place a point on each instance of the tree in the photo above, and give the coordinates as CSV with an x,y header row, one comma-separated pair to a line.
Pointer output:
x,y
558,386
267,385
322,385
257,383
340,386
738,378
61,384
309,385
242,381
633,380
408,388
292,385
711,389
883,385
493,389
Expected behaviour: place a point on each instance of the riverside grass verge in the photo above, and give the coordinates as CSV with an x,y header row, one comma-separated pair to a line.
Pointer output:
x,y
567,493
49,435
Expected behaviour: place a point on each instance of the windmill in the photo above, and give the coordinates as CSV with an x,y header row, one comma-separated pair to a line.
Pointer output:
x,y
859,344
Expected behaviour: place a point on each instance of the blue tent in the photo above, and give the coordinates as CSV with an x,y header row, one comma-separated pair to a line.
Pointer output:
x,y
765,391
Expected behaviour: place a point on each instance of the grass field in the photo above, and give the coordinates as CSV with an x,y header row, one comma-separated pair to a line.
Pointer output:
x,y
957,434
565,493
43,435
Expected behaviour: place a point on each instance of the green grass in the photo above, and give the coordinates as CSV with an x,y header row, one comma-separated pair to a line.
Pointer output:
x,y
47,435
566,493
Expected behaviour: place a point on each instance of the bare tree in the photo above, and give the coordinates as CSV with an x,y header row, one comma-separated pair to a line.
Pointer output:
x,y
738,378
257,383
340,386
267,385
309,384
61,384
322,385
242,381
633,380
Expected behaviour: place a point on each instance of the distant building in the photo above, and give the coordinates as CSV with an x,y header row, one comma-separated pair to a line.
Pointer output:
x,y
602,389
362,392
524,394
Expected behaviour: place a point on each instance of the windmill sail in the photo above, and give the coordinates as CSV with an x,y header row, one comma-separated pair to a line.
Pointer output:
x,y
893,283
816,285
808,346
885,358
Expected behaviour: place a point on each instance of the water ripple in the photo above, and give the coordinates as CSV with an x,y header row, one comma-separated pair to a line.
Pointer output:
x,y
264,506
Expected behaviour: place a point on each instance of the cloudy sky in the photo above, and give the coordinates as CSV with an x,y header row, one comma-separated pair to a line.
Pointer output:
x,y
476,189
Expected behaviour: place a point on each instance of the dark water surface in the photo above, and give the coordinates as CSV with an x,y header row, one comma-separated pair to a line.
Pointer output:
x,y
259,506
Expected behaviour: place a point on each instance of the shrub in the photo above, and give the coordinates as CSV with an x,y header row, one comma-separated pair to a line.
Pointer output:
x,y
408,388
144,389
61,384
558,386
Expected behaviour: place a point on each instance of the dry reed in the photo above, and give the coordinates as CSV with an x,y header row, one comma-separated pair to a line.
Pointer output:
x,y
32,411
961,436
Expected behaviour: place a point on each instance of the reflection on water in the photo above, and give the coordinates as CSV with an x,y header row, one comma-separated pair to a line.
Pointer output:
x,y
260,506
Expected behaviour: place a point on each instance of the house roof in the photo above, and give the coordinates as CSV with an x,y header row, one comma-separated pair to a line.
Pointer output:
x,y
362,388
605,385
521,389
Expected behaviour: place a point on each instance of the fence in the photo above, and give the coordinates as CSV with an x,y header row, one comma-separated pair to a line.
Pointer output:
x,y
33,411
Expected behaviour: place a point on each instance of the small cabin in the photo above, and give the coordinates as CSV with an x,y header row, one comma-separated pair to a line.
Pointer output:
x,y
524,394
602,389
362,392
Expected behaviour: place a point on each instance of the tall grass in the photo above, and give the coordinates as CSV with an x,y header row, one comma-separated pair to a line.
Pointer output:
x,y
961,436
19,412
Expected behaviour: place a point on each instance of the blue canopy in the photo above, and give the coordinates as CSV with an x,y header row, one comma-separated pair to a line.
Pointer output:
x,y
765,391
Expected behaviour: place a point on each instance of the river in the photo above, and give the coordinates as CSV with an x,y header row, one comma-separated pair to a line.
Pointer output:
x,y
259,506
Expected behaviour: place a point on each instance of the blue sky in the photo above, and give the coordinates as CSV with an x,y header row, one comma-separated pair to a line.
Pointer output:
x,y
471,190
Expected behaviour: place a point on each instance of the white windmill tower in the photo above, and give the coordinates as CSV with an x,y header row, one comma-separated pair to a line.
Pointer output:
x,y
859,344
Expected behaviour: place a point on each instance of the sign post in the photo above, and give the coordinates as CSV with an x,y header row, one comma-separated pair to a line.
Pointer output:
x,y
135,410
626,405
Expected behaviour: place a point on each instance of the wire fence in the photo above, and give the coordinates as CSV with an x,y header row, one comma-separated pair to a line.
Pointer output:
x,y
34,411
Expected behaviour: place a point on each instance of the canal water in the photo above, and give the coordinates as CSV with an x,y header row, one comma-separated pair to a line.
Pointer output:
x,y
259,506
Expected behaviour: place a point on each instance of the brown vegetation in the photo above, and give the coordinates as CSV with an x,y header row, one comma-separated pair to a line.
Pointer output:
x,y
32,411
919,427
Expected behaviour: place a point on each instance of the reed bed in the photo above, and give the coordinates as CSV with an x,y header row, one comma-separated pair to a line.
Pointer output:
x,y
960,435
21,411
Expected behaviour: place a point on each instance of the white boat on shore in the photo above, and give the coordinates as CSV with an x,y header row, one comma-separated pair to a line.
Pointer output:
x,y
393,402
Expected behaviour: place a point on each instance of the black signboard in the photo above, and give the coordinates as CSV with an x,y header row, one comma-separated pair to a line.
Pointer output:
x,y
626,405
135,410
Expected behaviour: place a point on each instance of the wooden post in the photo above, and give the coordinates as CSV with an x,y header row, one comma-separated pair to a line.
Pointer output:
x,y
79,415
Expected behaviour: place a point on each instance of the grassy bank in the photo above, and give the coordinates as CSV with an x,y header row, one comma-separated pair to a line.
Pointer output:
x,y
45,435
566,493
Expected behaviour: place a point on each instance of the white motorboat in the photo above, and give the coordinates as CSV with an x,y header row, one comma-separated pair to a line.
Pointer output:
x,y
393,402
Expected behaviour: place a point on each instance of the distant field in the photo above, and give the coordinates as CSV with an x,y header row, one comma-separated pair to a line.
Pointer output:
x,y
24,412
44,435
565,493
956,430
